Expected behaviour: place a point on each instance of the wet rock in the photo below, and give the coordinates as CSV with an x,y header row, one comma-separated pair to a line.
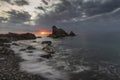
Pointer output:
x,y
47,42
72,34
38,37
49,49
29,51
47,56
31,48
15,44
22,50
34,41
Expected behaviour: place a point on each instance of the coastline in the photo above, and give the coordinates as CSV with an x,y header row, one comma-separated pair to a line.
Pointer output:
x,y
10,69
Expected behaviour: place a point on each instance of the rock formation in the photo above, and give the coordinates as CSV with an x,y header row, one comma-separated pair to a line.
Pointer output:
x,y
59,33
72,34
46,42
14,37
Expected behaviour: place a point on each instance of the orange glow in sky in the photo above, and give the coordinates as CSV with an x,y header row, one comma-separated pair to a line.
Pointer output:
x,y
43,32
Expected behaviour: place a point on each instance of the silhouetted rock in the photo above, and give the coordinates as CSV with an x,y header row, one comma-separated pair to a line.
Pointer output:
x,y
14,37
57,33
72,34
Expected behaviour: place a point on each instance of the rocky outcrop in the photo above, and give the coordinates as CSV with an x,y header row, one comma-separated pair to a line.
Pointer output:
x,y
47,56
59,33
46,42
14,37
30,48
72,34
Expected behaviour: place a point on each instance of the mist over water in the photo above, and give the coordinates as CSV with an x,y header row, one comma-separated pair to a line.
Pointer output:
x,y
76,58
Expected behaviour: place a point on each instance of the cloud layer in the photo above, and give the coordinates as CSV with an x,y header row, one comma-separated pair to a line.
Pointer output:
x,y
50,12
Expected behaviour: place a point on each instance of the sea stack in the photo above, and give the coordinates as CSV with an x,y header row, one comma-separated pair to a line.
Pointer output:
x,y
59,33
72,34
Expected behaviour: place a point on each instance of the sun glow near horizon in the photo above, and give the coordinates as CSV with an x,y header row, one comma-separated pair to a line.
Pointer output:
x,y
43,32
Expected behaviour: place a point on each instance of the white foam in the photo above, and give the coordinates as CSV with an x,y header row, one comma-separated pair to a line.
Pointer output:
x,y
32,63
43,69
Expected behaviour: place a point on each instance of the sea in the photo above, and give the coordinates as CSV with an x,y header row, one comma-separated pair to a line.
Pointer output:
x,y
87,56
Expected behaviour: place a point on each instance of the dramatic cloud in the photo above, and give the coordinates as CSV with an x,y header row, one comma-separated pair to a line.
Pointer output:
x,y
81,9
49,12
17,2
3,20
45,2
19,17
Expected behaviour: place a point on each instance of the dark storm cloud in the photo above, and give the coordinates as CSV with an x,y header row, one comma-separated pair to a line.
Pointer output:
x,y
17,2
97,7
45,2
21,2
78,9
19,17
6,1
41,8
3,19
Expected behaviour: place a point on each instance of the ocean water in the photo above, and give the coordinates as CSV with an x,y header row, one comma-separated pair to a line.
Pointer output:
x,y
84,57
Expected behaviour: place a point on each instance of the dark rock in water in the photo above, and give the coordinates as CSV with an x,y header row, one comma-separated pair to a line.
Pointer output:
x,y
22,50
38,37
29,51
47,42
34,41
15,44
57,33
14,37
31,48
47,56
72,34
49,49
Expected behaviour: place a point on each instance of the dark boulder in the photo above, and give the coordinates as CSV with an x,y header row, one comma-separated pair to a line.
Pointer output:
x,y
31,48
47,42
72,34
22,50
38,37
15,44
47,56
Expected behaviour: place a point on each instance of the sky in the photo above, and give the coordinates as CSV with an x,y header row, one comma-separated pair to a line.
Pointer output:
x,y
76,15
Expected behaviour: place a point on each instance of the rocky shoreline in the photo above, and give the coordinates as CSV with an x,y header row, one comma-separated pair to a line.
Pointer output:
x,y
9,69
9,62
